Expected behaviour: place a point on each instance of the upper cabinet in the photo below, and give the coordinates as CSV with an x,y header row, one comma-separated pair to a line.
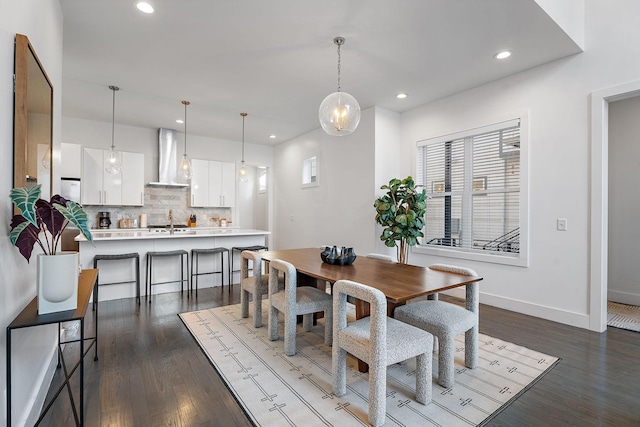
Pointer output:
x,y
102,188
213,184
70,160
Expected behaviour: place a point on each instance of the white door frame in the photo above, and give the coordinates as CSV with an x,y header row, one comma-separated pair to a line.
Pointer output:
x,y
599,203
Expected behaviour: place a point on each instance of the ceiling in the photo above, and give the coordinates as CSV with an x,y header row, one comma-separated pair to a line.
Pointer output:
x,y
276,59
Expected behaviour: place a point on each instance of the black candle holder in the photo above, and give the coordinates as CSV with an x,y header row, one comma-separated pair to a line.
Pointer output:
x,y
330,255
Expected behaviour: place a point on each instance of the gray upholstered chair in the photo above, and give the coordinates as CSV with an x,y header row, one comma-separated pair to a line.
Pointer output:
x,y
446,321
257,285
381,256
293,301
379,341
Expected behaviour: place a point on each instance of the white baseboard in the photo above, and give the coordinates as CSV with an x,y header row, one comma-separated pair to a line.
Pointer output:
x,y
622,297
39,396
535,310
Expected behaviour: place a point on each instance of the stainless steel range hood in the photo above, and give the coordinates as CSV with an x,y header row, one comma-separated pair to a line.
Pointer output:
x,y
167,160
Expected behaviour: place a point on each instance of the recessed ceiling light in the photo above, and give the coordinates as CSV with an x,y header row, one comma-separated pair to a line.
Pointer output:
x,y
502,54
179,121
272,137
401,95
145,7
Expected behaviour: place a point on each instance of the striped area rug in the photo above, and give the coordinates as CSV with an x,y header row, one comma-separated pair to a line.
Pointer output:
x,y
623,316
277,390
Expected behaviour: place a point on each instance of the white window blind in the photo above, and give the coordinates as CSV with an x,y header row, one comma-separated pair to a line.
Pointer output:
x,y
473,180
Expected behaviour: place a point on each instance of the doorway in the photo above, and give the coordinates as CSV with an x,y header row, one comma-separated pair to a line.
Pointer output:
x,y
599,204
253,200
623,284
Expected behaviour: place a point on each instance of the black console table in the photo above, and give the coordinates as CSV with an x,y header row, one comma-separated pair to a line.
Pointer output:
x,y
29,317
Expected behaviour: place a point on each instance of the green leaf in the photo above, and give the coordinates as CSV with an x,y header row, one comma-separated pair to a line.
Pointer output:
x,y
74,213
25,199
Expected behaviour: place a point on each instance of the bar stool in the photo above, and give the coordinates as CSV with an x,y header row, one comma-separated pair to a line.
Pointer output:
x,y
149,268
133,255
239,249
195,256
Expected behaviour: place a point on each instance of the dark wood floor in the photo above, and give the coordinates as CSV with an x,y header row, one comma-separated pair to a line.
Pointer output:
x,y
151,372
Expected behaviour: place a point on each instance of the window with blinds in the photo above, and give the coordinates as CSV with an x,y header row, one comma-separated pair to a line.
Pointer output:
x,y
473,181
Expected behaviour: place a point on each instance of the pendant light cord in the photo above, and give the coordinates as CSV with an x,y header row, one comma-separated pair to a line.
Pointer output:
x,y
243,116
113,116
185,125
339,57
339,41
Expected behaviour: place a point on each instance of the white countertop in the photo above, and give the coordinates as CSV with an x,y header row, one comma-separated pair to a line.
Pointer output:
x,y
144,233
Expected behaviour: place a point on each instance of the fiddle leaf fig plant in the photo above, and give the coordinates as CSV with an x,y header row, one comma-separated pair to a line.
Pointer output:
x,y
42,222
401,214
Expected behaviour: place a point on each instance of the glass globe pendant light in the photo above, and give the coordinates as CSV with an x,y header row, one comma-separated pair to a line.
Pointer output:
x,y
185,163
113,162
242,172
339,113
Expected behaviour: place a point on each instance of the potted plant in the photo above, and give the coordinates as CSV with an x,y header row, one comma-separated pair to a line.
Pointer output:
x,y
42,222
401,212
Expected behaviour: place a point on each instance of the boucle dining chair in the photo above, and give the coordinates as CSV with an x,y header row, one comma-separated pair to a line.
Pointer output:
x,y
293,301
382,257
257,285
446,321
379,341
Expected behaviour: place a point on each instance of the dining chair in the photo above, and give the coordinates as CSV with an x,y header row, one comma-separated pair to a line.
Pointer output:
x,y
257,285
379,341
382,257
446,321
293,301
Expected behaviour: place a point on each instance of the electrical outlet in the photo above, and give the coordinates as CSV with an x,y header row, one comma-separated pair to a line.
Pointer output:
x,y
561,224
292,218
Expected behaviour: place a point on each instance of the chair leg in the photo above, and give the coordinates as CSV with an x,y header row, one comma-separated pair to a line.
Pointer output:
x,y
244,303
471,348
328,327
257,311
377,394
138,279
273,323
290,334
307,322
423,377
446,362
339,370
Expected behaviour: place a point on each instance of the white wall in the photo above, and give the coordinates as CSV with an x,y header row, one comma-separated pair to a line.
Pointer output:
x,y
32,349
337,211
555,286
624,202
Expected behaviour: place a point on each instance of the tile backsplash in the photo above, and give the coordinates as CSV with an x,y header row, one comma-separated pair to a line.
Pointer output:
x,y
157,202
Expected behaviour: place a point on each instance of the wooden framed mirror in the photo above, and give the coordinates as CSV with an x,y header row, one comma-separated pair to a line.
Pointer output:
x,y
32,120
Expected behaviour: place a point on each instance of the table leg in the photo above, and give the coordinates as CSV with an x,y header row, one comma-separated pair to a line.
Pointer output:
x,y
9,377
95,320
82,366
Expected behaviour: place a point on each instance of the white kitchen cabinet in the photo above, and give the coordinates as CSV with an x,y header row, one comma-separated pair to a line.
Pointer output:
x,y
213,183
199,183
102,188
132,179
70,160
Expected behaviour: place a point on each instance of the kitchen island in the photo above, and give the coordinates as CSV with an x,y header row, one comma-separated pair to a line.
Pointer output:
x,y
120,241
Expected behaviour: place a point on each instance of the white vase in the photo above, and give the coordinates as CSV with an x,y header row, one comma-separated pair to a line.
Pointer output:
x,y
57,282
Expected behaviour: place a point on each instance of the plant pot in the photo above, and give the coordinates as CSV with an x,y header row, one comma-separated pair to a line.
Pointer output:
x,y
57,279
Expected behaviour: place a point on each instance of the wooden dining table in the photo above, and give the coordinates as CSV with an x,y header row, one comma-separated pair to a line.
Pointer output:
x,y
399,282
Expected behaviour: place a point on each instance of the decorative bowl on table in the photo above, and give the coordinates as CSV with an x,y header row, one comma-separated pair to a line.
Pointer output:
x,y
330,255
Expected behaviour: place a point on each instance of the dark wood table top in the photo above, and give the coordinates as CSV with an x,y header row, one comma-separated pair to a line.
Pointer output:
x,y
399,282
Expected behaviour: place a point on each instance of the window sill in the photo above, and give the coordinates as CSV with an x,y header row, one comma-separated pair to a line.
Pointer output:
x,y
519,261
